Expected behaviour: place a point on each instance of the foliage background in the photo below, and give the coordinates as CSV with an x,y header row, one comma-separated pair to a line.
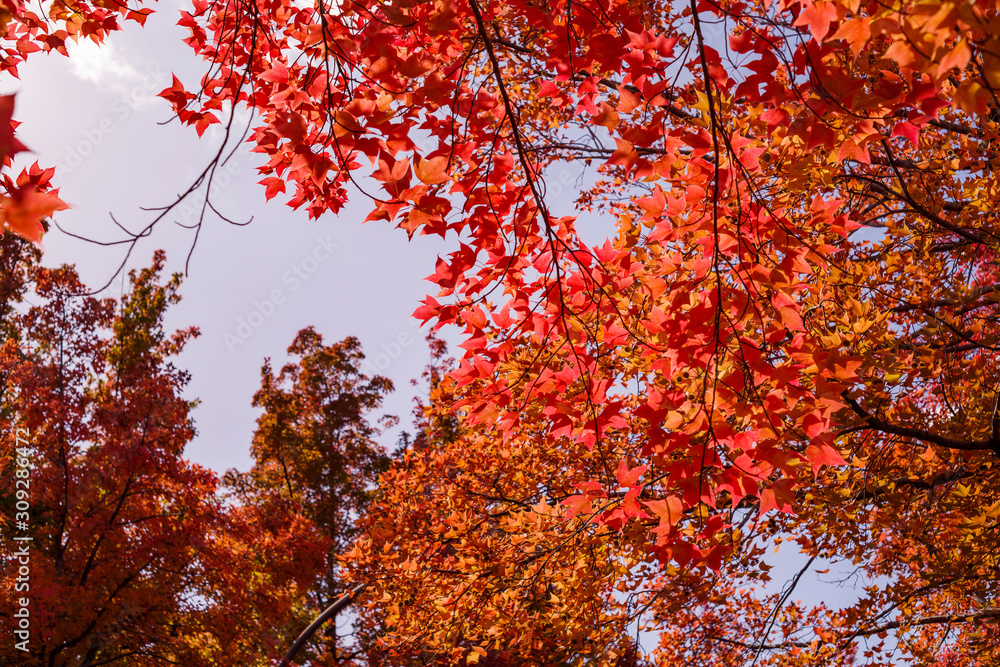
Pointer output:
x,y
367,293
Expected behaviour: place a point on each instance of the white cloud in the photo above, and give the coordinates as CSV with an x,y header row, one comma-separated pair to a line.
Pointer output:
x,y
104,67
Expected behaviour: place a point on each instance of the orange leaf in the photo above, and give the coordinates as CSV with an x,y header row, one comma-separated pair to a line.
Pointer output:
x,y
957,58
669,509
24,210
607,117
856,32
851,150
433,170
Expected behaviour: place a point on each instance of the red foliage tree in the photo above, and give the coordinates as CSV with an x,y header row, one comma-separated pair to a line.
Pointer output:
x,y
797,308
132,555
116,514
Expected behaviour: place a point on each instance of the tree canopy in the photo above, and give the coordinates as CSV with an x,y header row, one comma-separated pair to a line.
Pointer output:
x,y
115,513
138,556
790,332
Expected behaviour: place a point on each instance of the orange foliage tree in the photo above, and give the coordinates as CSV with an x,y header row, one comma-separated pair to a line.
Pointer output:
x,y
316,458
114,515
790,332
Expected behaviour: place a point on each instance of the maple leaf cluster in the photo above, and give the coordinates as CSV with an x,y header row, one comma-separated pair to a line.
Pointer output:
x,y
791,331
798,302
29,198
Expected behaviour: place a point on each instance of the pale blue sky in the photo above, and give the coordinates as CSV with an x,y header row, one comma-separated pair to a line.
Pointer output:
x,y
96,115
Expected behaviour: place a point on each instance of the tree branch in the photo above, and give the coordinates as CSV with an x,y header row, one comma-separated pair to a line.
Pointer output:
x,y
328,613
878,424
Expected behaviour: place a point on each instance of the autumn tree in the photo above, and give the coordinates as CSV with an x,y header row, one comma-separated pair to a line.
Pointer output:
x,y
115,512
17,256
257,570
134,557
432,515
790,329
316,457
795,311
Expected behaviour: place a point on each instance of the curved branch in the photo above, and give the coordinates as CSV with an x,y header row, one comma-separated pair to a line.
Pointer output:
x,y
328,613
